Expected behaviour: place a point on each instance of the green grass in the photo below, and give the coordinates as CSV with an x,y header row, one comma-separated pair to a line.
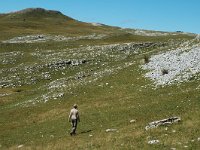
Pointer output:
x,y
109,102
103,108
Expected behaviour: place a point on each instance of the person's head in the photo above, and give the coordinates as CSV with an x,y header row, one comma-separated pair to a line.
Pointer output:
x,y
75,106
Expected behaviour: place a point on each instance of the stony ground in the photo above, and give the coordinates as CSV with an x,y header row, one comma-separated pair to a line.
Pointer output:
x,y
88,64
176,65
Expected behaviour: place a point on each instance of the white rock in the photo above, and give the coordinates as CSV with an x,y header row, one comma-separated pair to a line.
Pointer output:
x,y
96,24
167,121
198,37
111,130
132,121
20,146
153,142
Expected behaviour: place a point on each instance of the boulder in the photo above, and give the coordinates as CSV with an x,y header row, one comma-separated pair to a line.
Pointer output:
x,y
167,121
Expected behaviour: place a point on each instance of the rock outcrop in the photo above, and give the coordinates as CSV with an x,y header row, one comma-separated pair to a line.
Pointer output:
x,y
163,122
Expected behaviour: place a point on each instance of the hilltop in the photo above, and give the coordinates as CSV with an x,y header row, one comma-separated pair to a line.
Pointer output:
x,y
135,89
35,13
39,21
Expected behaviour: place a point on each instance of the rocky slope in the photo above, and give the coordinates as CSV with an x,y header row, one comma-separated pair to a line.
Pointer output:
x,y
176,65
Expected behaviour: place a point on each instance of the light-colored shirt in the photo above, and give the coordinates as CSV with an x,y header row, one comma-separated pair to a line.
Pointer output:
x,y
74,114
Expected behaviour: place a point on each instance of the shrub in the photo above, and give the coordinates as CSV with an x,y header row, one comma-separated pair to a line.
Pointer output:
x,y
165,71
17,90
146,59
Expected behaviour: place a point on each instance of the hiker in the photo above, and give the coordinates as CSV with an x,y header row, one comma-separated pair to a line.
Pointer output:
x,y
74,118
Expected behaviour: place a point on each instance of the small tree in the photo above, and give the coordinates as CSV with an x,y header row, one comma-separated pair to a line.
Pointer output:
x,y
146,59
165,71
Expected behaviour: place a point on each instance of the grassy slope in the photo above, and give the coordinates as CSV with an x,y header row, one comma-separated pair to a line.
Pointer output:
x,y
127,96
44,22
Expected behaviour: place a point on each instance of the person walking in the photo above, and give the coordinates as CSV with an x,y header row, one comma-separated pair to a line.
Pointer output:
x,y
74,119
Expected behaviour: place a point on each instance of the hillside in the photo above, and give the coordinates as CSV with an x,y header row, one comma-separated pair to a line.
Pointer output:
x,y
39,21
121,79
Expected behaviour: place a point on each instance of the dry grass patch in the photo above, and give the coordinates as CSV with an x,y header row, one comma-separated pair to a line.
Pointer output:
x,y
48,115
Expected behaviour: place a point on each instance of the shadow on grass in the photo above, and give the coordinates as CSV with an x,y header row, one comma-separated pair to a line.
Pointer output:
x,y
87,131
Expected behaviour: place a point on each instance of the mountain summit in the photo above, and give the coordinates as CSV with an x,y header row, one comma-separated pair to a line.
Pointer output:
x,y
36,10
42,21
36,13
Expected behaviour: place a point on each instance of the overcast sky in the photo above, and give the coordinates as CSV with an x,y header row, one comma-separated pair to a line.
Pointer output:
x,y
162,15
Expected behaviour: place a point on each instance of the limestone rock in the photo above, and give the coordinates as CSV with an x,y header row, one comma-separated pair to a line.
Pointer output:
x,y
20,146
153,142
167,121
111,130
132,121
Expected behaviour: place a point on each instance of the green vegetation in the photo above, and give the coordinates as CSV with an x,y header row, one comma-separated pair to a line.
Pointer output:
x,y
109,88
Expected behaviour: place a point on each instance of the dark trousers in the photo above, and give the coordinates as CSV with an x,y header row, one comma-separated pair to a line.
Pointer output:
x,y
74,126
